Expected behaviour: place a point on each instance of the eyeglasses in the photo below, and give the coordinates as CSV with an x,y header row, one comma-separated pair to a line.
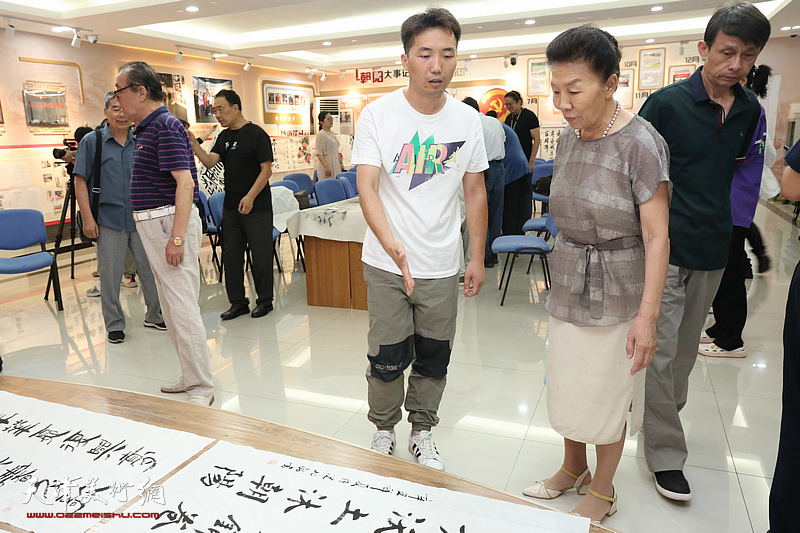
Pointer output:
x,y
116,92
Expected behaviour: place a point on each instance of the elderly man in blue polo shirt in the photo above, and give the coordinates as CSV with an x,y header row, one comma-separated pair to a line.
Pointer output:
x,y
114,228
163,192
707,121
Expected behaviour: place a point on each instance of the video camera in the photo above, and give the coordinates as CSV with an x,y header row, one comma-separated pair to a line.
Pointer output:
x,y
60,153
71,144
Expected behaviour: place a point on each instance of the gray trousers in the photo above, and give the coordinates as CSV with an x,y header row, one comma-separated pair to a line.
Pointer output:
x,y
112,247
416,330
687,298
179,289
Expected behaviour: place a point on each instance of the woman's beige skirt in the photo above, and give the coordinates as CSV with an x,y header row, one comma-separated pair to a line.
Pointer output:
x,y
590,389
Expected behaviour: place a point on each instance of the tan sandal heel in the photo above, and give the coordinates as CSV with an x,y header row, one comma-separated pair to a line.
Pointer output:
x,y
612,500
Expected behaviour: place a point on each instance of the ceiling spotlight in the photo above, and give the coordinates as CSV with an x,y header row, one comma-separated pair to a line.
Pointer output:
x,y
466,65
323,77
505,62
92,38
76,39
341,75
179,55
785,28
530,21
310,74
398,62
220,55
326,43
192,9
648,41
473,56
246,66
212,61
656,8
10,31
60,29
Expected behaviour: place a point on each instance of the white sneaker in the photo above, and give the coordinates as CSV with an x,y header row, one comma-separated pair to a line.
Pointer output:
x,y
199,399
383,441
171,388
94,292
424,449
129,282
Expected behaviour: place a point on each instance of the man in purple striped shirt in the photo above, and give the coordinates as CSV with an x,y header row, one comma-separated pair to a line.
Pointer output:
x,y
163,192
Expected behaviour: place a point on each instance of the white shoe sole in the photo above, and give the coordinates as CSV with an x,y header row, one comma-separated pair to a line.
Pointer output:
x,y
677,496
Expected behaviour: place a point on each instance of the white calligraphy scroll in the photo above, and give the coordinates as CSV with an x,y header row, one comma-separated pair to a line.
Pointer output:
x,y
238,488
56,460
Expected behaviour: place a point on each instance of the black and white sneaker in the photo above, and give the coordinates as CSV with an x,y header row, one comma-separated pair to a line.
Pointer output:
x,y
424,449
383,441
116,337
672,484
155,325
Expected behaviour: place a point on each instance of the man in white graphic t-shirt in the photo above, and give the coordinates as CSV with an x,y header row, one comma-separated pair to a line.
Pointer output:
x,y
415,148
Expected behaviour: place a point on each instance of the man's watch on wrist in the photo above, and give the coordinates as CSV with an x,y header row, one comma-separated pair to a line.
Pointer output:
x,y
177,241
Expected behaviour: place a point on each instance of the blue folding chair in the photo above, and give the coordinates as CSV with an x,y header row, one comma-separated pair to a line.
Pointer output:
x,y
211,230
291,185
215,202
275,244
23,228
352,178
329,191
349,190
514,245
305,183
541,170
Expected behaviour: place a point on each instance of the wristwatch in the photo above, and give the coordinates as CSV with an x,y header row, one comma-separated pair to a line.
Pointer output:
x,y
177,241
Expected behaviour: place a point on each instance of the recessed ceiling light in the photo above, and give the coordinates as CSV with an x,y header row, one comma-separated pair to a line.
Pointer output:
x,y
786,28
354,41
326,43
398,62
530,21
656,8
649,40
796,27
192,9
480,27
473,56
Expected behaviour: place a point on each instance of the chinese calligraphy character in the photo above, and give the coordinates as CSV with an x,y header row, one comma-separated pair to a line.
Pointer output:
x,y
260,491
78,439
225,479
302,502
355,513
180,517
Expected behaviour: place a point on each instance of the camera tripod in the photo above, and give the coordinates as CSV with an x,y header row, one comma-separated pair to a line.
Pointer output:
x,y
69,205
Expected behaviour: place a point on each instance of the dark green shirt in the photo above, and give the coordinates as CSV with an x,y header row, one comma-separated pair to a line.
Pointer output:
x,y
704,145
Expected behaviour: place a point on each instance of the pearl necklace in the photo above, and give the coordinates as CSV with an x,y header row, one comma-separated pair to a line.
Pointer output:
x,y
608,128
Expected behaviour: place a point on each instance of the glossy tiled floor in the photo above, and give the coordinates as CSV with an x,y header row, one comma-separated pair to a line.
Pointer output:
x,y
304,367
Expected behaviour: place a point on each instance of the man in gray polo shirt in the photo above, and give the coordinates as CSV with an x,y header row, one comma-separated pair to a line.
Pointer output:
x,y
114,228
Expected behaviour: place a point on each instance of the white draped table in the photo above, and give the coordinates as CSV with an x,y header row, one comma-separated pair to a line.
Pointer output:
x,y
333,234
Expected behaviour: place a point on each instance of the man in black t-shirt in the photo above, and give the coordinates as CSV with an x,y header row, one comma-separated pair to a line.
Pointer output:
x,y
246,152
518,198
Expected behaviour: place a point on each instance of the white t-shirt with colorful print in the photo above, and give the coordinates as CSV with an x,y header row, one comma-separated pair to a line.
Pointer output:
x,y
422,160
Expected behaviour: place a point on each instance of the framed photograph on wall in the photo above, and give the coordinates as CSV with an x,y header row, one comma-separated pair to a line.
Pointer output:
x,y
538,76
651,68
626,87
45,107
680,72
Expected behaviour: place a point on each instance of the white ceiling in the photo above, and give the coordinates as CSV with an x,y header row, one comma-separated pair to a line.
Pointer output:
x,y
290,35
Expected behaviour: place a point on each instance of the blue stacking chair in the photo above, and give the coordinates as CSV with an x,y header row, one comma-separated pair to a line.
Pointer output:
x,y
211,230
295,188
541,170
329,191
305,183
352,178
349,190
291,185
215,202
23,228
514,245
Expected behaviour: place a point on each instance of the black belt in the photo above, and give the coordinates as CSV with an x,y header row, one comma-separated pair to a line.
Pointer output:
x,y
496,161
